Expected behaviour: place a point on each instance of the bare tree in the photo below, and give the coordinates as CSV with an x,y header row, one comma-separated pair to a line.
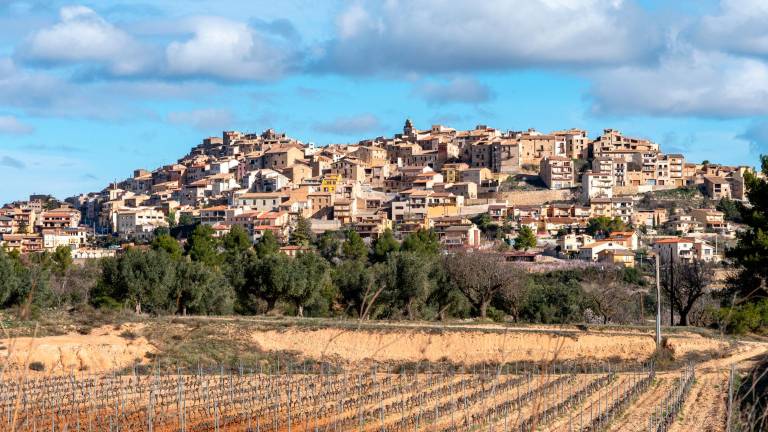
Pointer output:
x,y
609,295
695,278
481,276
512,295
685,283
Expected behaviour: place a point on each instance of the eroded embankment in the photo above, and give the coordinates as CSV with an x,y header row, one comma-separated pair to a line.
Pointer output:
x,y
476,346
103,349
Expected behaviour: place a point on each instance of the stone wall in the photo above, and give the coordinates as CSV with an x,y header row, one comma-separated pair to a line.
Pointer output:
x,y
537,196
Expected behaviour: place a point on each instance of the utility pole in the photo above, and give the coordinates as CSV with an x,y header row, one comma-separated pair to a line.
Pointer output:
x,y
658,303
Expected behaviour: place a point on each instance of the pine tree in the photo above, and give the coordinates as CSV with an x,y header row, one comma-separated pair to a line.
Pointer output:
x,y
302,232
525,239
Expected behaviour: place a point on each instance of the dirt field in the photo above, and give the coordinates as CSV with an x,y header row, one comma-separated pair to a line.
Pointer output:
x,y
363,391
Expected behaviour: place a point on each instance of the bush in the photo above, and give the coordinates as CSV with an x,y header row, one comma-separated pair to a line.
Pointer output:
x,y
663,357
128,335
554,298
37,366
495,314
751,317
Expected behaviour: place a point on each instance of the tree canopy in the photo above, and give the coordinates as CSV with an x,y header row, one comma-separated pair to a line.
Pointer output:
x,y
525,239
602,226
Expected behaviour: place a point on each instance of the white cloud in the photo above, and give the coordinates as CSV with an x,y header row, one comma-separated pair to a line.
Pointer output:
x,y
205,119
352,21
12,125
458,89
686,82
449,35
226,49
738,27
45,93
353,125
82,35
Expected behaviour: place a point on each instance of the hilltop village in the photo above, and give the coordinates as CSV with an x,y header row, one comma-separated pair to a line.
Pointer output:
x,y
537,197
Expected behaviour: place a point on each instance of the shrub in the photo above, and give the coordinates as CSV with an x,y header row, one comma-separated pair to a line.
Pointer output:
x,y
750,317
128,335
495,314
37,366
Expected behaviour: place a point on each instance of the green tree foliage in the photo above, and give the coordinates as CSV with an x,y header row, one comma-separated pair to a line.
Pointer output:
x,y
10,277
169,245
237,256
328,245
143,280
406,278
161,231
384,245
446,297
751,251
185,220
302,232
525,239
171,218
201,246
487,226
311,283
731,209
602,226
34,291
353,247
236,241
62,259
749,317
423,241
482,221
272,279
357,287
199,289
267,244
153,282
554,298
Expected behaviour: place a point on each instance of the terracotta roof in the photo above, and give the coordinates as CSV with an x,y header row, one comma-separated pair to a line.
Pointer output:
x,y
673,240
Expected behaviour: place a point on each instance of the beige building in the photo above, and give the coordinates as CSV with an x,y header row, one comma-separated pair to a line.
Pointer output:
x,y
596,185
679,249
623,208
139,223
576,143
345,210
557,172
612,140
60,218
281,157
451,171
591,251
711,218
571,243
72,238
717,187
371,155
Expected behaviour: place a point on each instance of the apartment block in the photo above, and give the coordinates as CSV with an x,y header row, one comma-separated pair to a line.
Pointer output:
x,y
557,172
596,185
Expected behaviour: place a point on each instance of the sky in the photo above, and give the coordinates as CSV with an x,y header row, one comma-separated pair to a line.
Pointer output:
x,y
90,91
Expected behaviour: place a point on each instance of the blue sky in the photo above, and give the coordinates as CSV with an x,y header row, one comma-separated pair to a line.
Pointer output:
x,y
89,91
